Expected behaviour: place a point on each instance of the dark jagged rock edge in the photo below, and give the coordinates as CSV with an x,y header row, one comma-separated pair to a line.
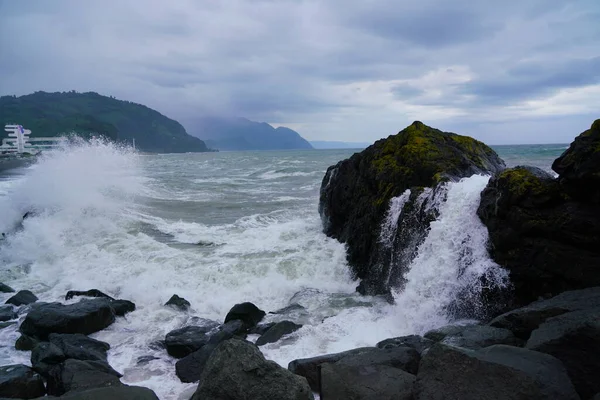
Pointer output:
x,y
355,196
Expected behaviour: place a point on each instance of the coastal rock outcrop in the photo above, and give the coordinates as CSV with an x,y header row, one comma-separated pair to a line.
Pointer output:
x,y
546,231
356,193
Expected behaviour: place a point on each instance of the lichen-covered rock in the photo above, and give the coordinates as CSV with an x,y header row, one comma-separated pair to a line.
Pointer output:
x,y
237,370
579,166
547,240
355,193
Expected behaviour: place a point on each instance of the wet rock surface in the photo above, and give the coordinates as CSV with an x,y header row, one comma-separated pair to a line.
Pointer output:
x,y
21,382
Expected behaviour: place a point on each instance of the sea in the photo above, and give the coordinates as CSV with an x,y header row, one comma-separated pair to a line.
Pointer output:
x,y
220,229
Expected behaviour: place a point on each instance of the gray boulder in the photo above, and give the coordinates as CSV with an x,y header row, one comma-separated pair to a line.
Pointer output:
x,y
20,381
80,347
247,313
309,367
277,331
573,338
365,382
237,370
497,372
416,342
23,297
523,321
7,313
76,375
86,316
122,307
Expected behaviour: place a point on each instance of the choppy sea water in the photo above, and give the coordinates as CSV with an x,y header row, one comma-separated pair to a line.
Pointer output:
x,y
219,229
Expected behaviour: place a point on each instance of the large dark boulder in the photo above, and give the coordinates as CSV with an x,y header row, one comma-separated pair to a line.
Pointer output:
x,y
23,297
545,231
309,367
122,307
277,331
20,382
356,193
26,343
495,373
522,321
247,313
7,313
184,341
365,382
86,316
122,392
87,293
237,370
573,338
76,375
578,167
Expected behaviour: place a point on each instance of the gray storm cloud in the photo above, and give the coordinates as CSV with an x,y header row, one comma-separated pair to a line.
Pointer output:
x,y
504,72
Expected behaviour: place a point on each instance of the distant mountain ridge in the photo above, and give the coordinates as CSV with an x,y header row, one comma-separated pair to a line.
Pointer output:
x,y
324,144
242,134
53,114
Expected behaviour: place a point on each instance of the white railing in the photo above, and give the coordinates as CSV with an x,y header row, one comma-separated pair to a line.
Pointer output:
x,y
19,142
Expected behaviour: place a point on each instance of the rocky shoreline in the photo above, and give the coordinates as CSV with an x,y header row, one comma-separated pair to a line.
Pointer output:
x,y
540,339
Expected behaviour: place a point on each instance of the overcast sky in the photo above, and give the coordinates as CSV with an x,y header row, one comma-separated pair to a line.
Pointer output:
x,y
511,71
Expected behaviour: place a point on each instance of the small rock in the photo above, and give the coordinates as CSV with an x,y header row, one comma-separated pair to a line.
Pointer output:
x,y
122,392
86,316
184,341
7,313
497,372
20,381
309,367
573,338
178,302
416,342
87,293
23,297
25,343
277,332
365,382
122,307
246,312
76,375
190,368
238,370
5,288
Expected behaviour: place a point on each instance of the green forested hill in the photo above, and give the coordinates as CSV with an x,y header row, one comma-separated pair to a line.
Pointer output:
x,y
53,114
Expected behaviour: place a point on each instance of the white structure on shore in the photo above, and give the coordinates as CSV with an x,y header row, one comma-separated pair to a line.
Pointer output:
x,y
19,142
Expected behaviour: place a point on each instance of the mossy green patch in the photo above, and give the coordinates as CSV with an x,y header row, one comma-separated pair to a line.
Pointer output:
x,y
521,182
